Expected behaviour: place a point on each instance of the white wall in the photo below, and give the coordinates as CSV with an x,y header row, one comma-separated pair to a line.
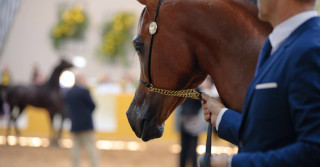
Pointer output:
x,y
29,38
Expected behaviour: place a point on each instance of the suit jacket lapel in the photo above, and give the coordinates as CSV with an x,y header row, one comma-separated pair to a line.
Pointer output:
x,y
264,54
260,74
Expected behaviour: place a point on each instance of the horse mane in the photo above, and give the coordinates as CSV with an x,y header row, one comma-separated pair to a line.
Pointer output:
x,y
53,81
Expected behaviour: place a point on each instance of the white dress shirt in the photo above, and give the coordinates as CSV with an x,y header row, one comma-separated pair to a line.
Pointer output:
x,y
277,37
284,29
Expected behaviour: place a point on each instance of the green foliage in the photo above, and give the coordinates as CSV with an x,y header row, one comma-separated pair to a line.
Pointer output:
x,y
116,36
72,24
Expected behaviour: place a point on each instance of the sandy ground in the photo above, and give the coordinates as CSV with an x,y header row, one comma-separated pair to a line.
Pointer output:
x,y
157,154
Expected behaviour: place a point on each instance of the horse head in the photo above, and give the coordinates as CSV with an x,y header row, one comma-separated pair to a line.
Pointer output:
x,y
180,42
173,66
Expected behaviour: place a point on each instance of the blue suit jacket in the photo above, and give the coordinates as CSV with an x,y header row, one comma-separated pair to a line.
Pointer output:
x,y
81,107
280,121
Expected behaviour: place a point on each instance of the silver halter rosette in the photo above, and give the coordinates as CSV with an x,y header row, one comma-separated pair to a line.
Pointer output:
x,y
153,28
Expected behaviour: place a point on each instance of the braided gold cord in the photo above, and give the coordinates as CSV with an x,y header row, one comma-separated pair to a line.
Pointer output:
x,y
178,93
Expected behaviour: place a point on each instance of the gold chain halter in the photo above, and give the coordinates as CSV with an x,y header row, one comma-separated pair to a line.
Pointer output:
x,y
192,93
178,93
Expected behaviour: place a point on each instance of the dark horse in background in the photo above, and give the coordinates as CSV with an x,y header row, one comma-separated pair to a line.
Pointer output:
x,y
195,38
47,95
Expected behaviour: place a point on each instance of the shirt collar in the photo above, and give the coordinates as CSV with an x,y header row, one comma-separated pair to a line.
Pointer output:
x,y
284,29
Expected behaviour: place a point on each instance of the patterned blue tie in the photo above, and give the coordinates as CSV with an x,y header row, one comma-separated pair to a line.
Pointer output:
x,y
264,54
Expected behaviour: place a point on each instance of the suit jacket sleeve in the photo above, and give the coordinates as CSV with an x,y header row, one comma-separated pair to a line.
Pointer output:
x,y
304,102
229,126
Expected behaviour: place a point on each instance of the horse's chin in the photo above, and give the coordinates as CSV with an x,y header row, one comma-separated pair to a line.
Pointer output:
x,y
150,132
145,129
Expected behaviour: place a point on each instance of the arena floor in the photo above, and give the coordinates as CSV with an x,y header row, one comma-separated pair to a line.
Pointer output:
x,y
156,154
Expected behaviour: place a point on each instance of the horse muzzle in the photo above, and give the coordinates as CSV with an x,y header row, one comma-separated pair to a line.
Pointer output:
x,y
142,123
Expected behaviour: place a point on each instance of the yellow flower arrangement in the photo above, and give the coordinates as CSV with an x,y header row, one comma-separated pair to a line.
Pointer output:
x,y
117,35
318,6
71,25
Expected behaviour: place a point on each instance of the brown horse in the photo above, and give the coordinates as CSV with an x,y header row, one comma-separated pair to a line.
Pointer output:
x,y
195,38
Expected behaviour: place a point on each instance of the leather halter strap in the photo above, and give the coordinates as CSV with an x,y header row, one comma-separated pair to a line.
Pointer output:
x,y
192,93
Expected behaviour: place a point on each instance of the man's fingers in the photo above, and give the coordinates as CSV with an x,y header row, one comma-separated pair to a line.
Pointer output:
x,y
204,107
205,97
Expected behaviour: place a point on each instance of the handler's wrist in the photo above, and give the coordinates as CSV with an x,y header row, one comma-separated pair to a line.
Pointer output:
x,y
222,111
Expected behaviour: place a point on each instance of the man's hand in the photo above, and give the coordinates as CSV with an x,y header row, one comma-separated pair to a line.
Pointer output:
x,y
211,107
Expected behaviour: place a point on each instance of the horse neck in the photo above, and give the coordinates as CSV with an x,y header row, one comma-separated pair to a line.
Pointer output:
x,y
227,44
53,81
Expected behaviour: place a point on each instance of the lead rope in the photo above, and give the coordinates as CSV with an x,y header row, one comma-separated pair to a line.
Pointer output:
x,y
205,161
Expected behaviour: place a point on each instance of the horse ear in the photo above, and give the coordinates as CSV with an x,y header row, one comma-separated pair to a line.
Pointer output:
x,y
143,2
149,3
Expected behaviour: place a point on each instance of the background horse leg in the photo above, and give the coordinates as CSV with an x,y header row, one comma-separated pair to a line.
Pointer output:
x,y
64,115
21,108
53,133
11,118
14,115
8,125
60,127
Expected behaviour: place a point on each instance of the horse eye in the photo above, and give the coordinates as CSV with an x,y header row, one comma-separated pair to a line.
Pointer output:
x,y
138,44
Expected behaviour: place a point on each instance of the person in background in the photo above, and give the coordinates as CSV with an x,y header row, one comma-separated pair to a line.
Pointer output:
x,y
209,88
188,125
37,78
81,107
280,121
5,77
4,83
